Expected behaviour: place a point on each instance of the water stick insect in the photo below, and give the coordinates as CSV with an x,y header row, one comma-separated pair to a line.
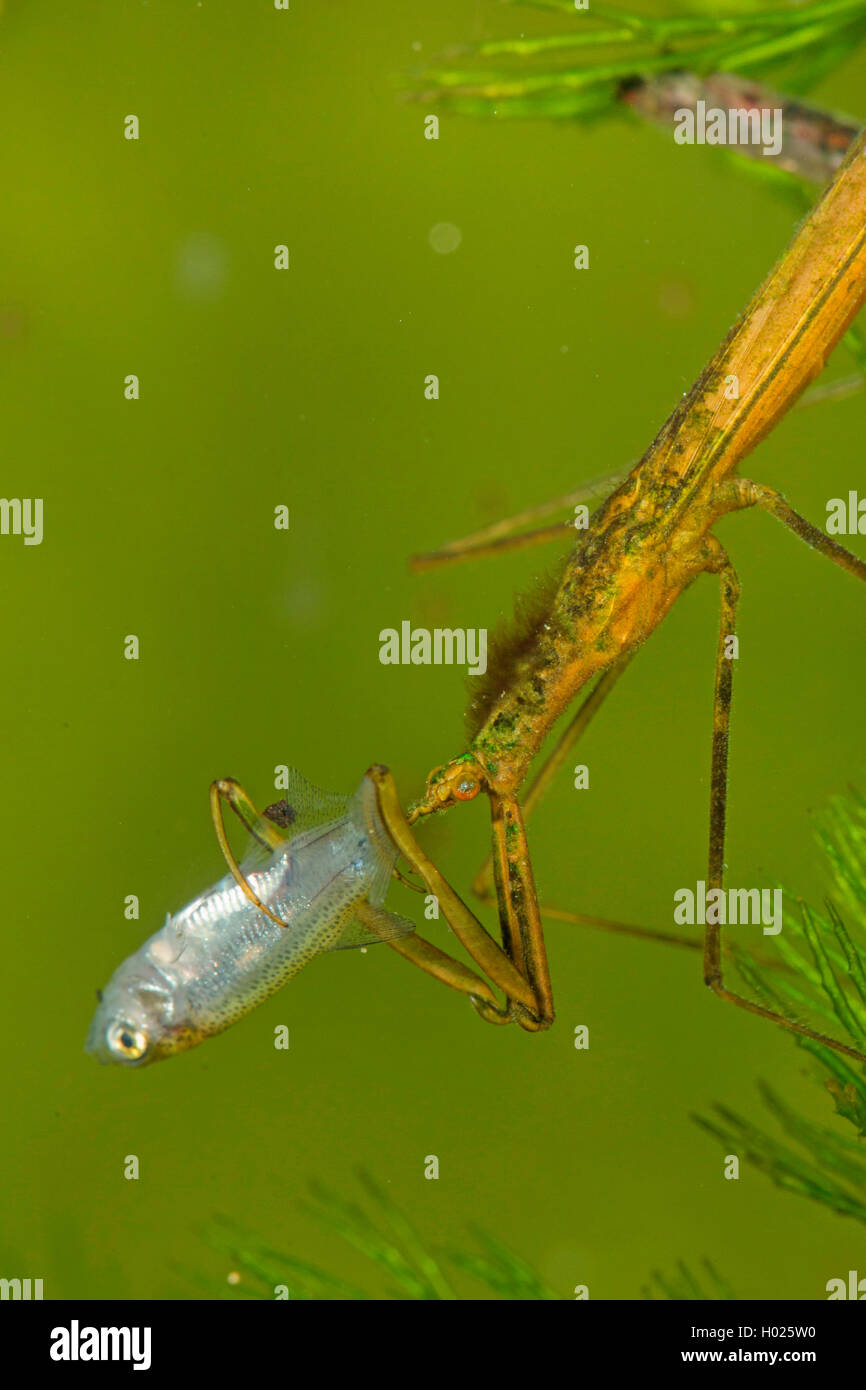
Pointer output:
x,y
646,545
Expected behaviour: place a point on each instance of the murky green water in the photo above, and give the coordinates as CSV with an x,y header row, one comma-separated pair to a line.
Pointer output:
x,y
260,647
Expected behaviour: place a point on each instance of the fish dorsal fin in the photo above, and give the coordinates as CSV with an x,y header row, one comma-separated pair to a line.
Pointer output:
x,y
302,807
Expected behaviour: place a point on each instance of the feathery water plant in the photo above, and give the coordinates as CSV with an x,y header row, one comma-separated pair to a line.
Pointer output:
x,y
584,71
685,1285
412,1269
825,959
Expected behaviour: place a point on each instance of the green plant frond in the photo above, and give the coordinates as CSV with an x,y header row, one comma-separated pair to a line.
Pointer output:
x,y
834,1152
844,1005
825,975
801,43
417,1252
669,1288
824,959
807,70
686,1286
257,1269
501,1271
262,1270
794,993
782,1164
359,1229
390,1243
849,1100
853,960
842,830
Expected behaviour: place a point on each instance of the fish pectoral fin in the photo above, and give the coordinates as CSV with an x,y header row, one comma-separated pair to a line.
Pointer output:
x,y
378,925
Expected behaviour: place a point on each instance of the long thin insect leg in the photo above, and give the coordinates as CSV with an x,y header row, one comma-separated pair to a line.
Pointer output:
x,y
227,789
723,693
520,922
416,887
436,963
472,549
486,952
581,919
483,885
833,391
662,938
495,539
265,830
755,494
718,808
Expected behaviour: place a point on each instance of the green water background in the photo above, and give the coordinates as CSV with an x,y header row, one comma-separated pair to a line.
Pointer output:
x,y
260,647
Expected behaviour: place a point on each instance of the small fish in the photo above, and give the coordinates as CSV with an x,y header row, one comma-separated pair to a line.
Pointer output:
x,y
219,957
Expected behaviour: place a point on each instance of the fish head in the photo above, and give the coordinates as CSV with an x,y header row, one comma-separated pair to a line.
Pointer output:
x,y
140,1017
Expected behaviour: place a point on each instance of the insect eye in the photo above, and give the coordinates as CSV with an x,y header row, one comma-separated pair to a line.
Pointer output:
x,y
467,789
127,1041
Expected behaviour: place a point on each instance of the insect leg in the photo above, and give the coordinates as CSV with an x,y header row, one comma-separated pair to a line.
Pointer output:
x,y
436,963
581,919
718,808
482,884
506,535
486,952
771,501
520,921
265,831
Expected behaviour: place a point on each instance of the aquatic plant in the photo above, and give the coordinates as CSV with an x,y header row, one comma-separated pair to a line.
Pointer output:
x,y
408,1266
825,956
584,71
687,1286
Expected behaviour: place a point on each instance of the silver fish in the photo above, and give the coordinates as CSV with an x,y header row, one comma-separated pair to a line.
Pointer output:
x,y
218,957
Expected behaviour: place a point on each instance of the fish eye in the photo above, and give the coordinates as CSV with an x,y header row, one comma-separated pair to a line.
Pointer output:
x,y
127,1041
